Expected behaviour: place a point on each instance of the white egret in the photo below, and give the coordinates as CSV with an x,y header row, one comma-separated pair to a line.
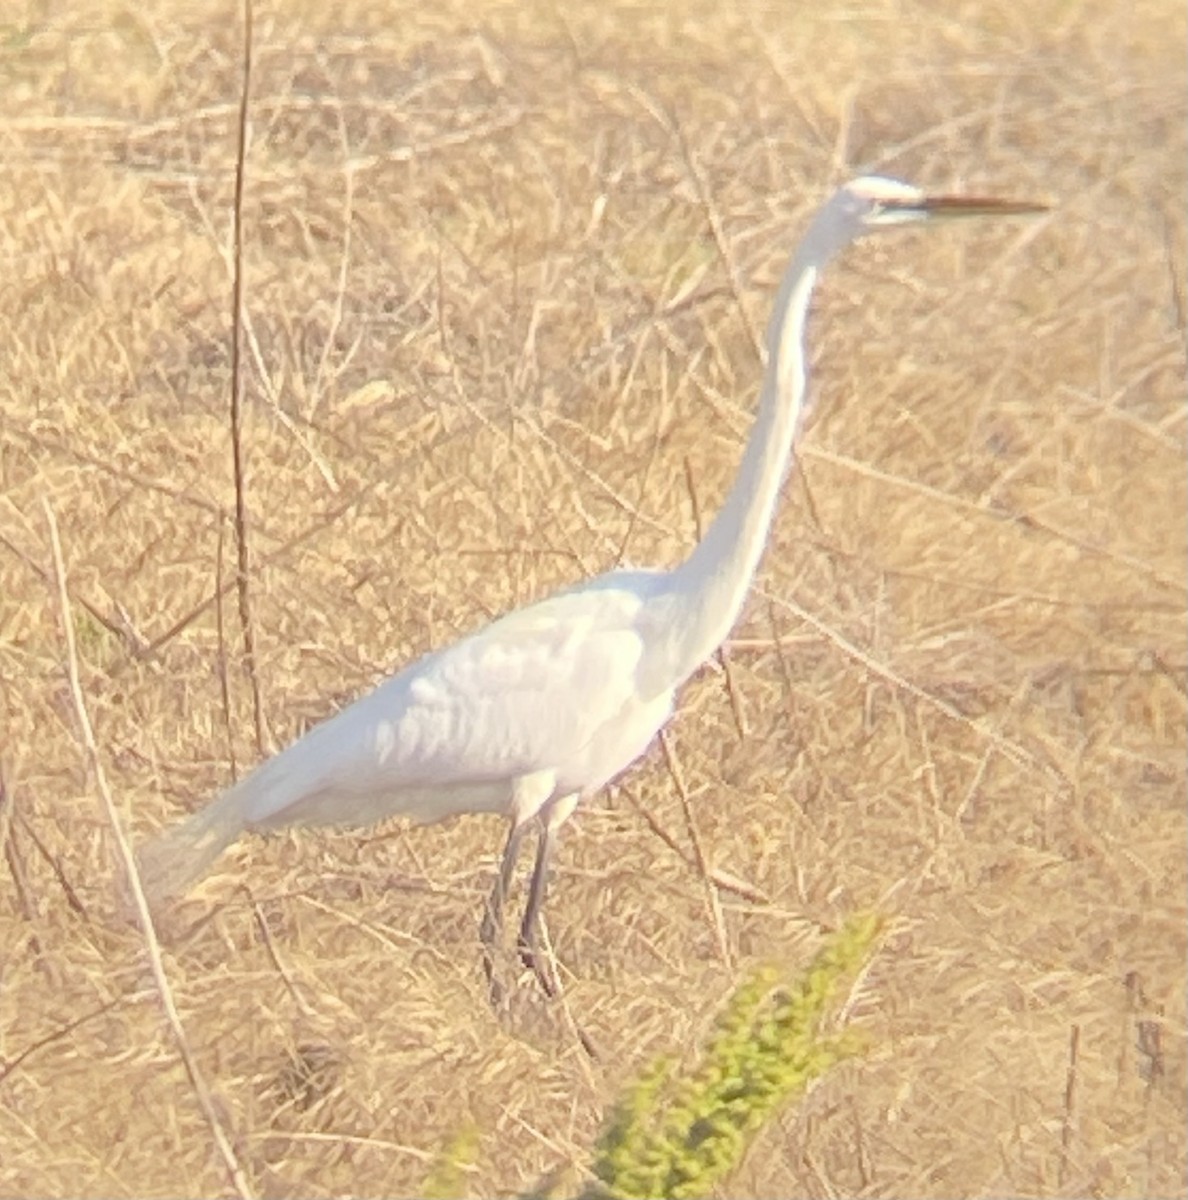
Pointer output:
x,y
543,707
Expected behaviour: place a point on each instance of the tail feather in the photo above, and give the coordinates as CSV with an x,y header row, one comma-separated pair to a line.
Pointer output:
x,y
175,860
284,791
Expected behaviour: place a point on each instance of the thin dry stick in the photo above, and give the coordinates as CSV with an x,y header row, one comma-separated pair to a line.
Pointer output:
x,y
58,1034
711,892
128,862
559,994
344,263
645,474
962,812
272,392
243,580
1175,277
220,632
1010,750
55,865
722,880
1070,1095
41,443
112,627
322,523
997,513
5,813
266,935
16,869
349,1139
714,217
327,519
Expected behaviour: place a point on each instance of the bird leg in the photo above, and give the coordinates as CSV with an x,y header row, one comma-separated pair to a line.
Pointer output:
x,y
528,943
492,923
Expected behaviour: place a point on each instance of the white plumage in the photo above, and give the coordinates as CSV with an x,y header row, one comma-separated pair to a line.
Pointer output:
x,y
551,702
453,731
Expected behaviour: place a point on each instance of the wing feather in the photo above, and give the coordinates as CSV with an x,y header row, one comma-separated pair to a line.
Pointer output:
x,y
520,695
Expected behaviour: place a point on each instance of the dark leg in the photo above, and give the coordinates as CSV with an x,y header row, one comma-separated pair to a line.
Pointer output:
x,y
530,928
530,953
492,924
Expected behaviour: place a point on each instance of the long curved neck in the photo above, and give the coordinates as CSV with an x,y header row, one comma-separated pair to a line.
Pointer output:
x,y
706,592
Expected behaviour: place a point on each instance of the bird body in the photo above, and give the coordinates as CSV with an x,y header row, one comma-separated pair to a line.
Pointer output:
x,y
548,704
456,730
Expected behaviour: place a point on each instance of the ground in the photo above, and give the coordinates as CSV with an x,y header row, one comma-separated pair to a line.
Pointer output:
x,y
504,268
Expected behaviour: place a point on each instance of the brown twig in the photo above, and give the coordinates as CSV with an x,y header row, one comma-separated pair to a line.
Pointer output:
x,y
16,866
118,631
5,812
203,606
7,1068
711,891
221,636
722,880
1070,1094
718,229
714,217
987,507
128,862
266,936
1010,750
243,579
344,263
10,818
55,865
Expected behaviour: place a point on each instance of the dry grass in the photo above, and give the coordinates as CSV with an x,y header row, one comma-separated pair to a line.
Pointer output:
x,y
479,360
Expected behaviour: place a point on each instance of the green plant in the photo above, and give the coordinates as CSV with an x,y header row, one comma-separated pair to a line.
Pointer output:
x,y
446,1179
677,1136
673,1135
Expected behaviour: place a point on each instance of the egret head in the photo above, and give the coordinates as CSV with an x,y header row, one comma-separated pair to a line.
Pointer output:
x,y
872,202
878,202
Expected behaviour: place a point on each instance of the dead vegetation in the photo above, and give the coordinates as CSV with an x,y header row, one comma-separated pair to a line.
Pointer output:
x,y
504,269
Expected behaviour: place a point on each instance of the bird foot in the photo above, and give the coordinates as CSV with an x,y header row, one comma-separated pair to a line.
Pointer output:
x,y
536,963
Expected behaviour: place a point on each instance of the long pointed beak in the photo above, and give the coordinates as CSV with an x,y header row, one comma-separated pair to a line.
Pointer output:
x,y
969,206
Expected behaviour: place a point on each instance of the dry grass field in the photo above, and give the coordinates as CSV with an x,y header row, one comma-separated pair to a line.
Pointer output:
x,y
504,268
